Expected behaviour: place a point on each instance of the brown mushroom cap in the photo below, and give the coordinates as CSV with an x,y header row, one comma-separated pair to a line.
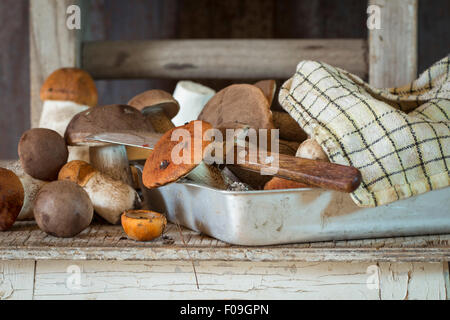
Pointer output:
x,y
77,171
310,149
70,84
159,169
100,119
42,153
63,209
268,87
236,106
11,198
156,98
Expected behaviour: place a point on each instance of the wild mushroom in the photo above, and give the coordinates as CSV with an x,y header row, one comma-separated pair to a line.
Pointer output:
x,y
107,158
236,106
289,128
11,198
30,185
109,197
65,93
143,225
158,106
42,153
192,97
161,168
63,209
309,149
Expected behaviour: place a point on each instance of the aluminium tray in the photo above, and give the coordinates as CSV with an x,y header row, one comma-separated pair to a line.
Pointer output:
x,y
296,215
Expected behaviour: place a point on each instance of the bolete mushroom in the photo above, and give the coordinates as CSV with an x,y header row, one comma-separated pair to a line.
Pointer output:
x,y
11,198
268,87
309,149
63,209
143,225
192,97
30,185
107,158
42,153
161,168
66,92
158,106
109,197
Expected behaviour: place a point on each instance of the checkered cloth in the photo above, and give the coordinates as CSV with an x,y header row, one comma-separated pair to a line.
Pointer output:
x,y
398,138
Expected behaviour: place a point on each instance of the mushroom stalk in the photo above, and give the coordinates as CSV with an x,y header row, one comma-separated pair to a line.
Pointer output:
x,y
208,175
192,97
56,115
30,185
111,160
109,197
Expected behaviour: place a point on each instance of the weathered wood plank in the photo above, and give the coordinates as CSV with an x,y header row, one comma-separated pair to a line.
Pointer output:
x,y
393,48
413,281
219,59
16,280
52,45
217,280
106,242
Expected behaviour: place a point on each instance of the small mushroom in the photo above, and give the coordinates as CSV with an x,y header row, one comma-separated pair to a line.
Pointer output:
x,y
42,153
30,185
158,106
310,149
63,209
160,169
108,158
11,198
109,197
66,92
192,97
143,225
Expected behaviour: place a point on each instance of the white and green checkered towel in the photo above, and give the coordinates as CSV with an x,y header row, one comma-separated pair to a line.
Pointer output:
x,y
398,138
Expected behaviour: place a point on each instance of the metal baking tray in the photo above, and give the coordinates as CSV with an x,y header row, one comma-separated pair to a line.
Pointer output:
x,y
296,215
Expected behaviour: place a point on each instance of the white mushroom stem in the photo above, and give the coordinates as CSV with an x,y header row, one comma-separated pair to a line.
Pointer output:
x,y
208,175
112,160
110,197
30,185
56,115
192,97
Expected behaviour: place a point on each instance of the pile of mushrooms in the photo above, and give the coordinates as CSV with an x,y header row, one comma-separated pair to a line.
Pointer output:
x,y
62,179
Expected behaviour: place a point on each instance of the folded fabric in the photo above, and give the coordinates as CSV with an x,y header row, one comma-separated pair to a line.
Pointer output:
x,y
398,138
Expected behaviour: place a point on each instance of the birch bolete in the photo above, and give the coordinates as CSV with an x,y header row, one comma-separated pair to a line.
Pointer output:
x,y
11,198
108,158
172,159
143,225
158,106
109,197
65,93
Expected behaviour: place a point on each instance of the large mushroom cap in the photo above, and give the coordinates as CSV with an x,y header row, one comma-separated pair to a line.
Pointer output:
x,y
11,198
156,98
100,119
42,153
63,209
70,84
160,168
236,106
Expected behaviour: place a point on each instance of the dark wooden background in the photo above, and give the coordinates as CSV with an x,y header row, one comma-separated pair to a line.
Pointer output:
x,y
165,19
